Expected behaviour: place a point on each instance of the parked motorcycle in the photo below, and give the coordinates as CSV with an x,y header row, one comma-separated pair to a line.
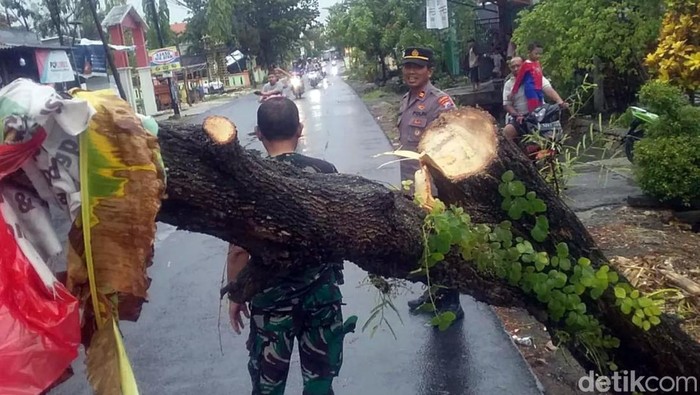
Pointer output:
x,y
297,86
641,117
315,78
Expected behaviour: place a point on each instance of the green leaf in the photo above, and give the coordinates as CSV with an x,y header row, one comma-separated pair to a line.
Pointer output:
x,y
647,325
655,310
634,294
508,176
586,280
531,195
613,278
626,306
597,292
443,242
569,289
539,265
584,261
503,190
654,320
565,264
515,212
562,250
580,288
554,261
538,206
538,234
443,320
639,313
581,308
620,292
516,188
542,222
644,302
506,204
427,307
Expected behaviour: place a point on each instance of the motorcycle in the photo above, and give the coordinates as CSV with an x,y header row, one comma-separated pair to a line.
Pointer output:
x,y
635,133
543,138
297,86
315,78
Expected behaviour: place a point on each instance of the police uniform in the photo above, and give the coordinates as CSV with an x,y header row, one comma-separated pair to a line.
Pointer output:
x,y
417,111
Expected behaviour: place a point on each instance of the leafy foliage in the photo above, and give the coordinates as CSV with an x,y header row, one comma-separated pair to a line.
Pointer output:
x,y
677,57
667,160
567,285
377,29
577,32
163,23
267,29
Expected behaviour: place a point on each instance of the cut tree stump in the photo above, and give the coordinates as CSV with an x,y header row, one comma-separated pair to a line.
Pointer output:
x,y
291,218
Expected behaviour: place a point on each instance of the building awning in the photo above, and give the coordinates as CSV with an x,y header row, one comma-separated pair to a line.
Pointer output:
x,y
39,46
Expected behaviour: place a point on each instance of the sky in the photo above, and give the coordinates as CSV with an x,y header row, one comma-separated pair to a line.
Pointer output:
x,y
179,14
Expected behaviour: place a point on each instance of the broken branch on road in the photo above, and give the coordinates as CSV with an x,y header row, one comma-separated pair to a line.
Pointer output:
x,y
290,218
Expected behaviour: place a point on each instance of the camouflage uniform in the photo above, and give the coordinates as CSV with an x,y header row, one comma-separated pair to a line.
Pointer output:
x,y
305,305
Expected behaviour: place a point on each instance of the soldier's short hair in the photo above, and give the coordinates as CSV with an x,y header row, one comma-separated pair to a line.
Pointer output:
x,y
278,118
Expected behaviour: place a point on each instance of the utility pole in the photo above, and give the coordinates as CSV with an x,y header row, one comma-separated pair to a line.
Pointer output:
x,y
453,61
108,53
156,25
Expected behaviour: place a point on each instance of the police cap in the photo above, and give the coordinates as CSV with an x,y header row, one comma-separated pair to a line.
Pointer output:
x,y
419,56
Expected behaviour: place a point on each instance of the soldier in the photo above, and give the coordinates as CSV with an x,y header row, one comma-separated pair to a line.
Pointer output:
x,y
419,107
304,304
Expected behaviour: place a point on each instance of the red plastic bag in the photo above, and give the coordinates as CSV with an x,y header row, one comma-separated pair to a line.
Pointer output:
x,y
39,328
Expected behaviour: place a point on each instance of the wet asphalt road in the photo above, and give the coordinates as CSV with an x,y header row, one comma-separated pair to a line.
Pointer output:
x,y
176,347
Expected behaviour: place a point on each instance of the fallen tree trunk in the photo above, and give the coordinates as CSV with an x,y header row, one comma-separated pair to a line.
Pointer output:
x,y
291,218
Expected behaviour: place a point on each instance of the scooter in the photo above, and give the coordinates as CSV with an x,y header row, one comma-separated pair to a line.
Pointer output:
x,y
297,86
635,133
315,78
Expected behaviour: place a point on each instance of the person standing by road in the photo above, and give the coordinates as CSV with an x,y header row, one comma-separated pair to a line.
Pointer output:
x,y
419,107
304,304
473,59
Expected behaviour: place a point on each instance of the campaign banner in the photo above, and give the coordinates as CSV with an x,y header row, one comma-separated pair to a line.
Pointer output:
x,y
164,59
54,66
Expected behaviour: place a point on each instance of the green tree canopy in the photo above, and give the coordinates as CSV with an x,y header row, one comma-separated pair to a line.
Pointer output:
x,y
266,29
577,34
163,23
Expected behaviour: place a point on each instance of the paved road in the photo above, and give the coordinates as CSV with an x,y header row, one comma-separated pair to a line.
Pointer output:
x,y
175,346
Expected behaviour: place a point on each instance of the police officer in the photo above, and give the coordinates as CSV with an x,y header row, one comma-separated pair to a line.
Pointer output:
x,y
419,107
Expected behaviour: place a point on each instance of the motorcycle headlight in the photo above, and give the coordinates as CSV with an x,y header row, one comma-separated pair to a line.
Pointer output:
x,y
539,114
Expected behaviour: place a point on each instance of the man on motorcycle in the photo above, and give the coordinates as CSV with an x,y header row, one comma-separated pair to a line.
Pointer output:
x,y
516,105
272,88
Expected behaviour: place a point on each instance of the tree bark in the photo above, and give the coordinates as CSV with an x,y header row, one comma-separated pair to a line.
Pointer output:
x,y
291,218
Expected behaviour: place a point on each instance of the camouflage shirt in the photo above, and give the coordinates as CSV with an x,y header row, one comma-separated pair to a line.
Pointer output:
x,y
313,286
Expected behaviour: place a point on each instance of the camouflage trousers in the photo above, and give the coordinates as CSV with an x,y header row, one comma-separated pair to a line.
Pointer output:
x,y
319,332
